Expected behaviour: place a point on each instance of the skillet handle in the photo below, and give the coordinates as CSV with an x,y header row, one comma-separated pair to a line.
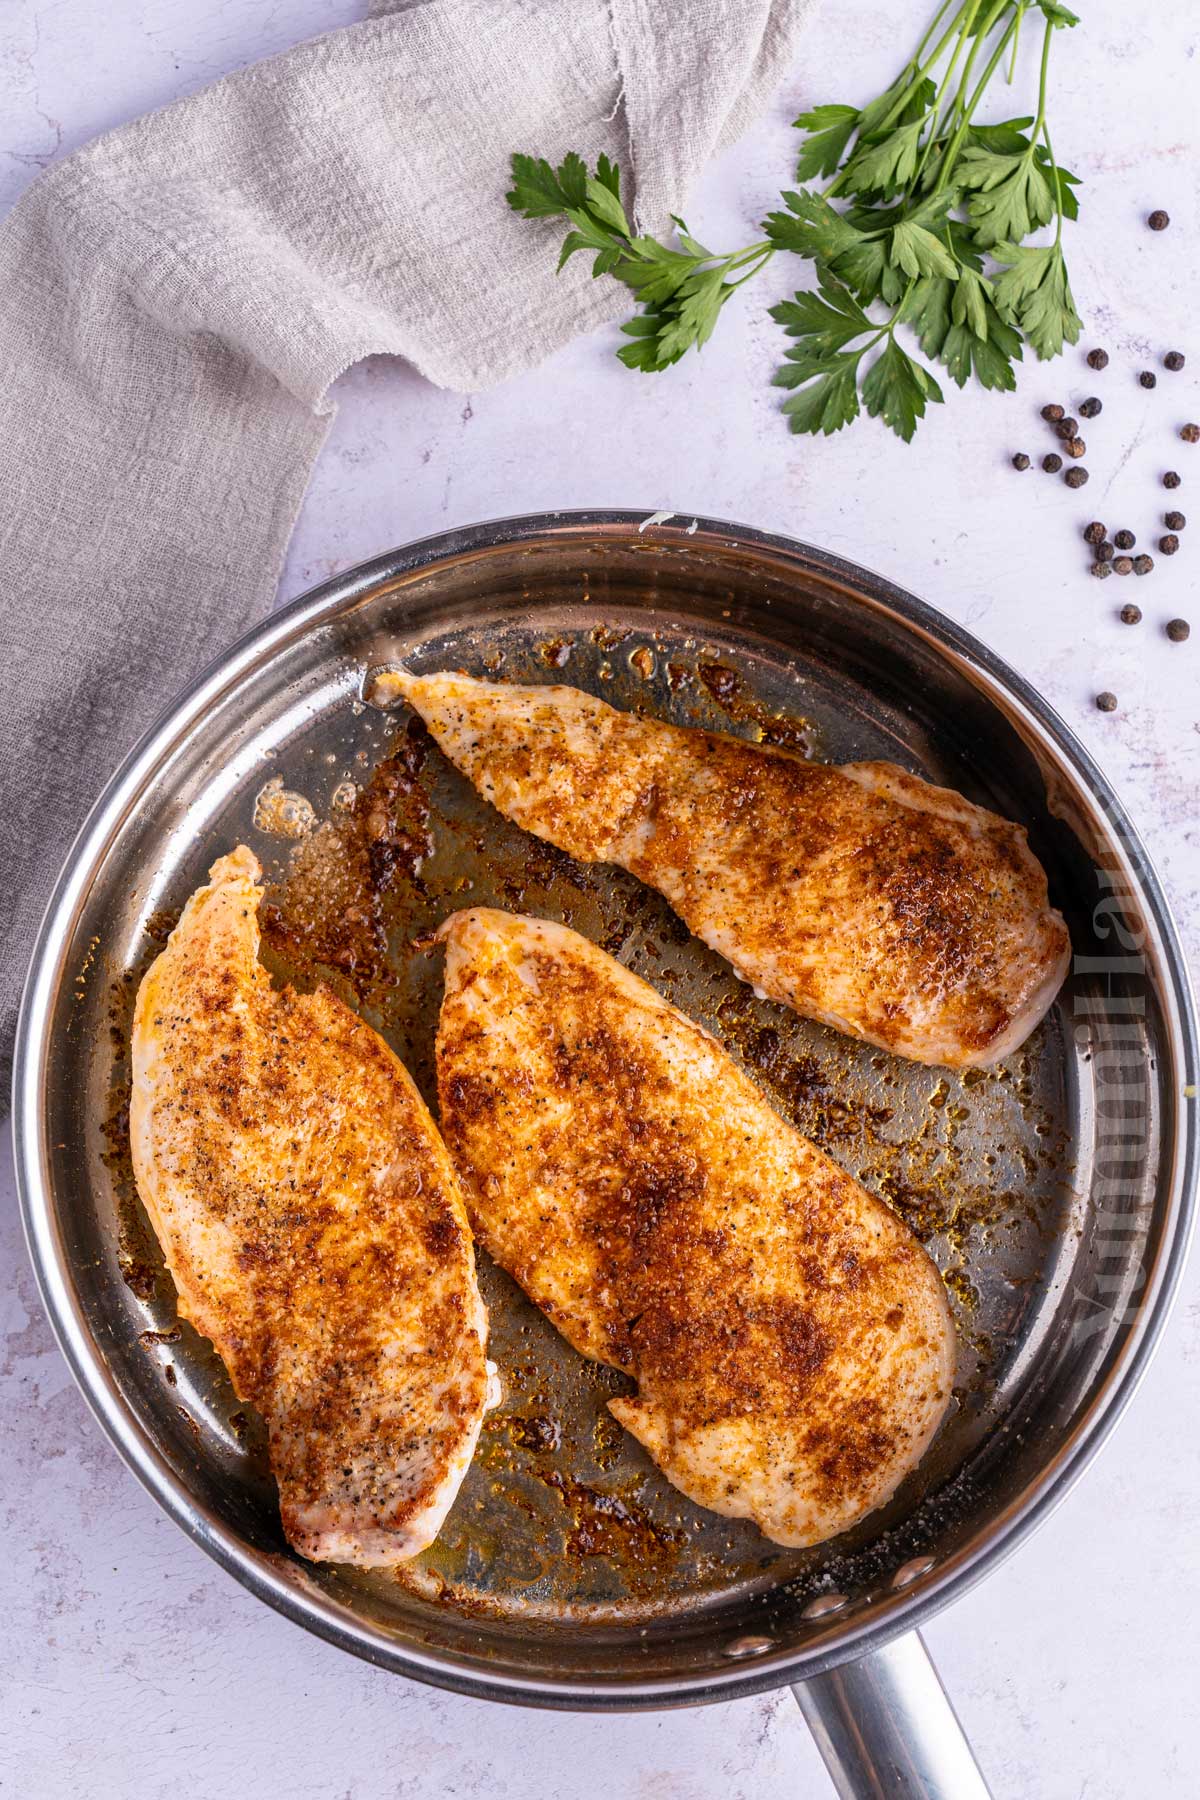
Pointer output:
x,y
886,1729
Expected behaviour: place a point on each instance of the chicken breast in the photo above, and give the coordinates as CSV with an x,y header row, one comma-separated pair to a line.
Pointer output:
x,y
315,1230
790,1339
860,896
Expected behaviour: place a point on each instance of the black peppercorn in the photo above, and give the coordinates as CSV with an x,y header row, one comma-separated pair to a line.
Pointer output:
x,y
1106,702
1104,551
1095,533
1142,565
1052,464
1171,479
1076,477
1020,460
1178,630
1076,447
1101,570
1131,615
1053,412
1066,428
1090,409
1190,434
1097,359
1158,220
1124,540
1174,360
1174,521
1124,565
1148,378
1169,544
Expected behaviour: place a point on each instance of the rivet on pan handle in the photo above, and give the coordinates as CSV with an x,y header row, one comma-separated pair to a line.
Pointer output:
x,y
887,1731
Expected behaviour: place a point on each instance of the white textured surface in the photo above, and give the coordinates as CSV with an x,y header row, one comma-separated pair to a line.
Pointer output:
x,y
131,1664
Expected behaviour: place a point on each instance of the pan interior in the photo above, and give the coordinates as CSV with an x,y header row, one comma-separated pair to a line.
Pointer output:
x,y
567,1556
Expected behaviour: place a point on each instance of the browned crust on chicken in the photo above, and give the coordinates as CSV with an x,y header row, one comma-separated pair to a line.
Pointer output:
x,y
861,896
314,1228
790,1339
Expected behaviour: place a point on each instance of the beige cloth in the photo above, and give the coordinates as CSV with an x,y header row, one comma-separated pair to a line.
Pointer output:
x,y
177,298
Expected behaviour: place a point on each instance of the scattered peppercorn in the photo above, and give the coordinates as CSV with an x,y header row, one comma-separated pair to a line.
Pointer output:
x,y
1190,434
1148,378
1124,540
1095,533
1124,565
1053,412
1101,570
1174,360
1179,631
1097,359
1020,460
1076,477
1171,479
1131,615
1142,565
1106,702
1090,409
1169,544
1158,220
1052,464
1066,428
1174,521
1104,551
1076,447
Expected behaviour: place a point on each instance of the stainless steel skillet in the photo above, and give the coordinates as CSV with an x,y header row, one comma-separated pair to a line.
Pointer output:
x,y
1056,1192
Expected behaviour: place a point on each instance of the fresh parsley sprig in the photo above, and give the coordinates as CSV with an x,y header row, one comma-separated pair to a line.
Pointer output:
x,y
681,288
928,236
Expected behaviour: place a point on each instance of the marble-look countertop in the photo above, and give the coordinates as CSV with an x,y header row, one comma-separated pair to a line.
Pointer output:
x,y
129,1663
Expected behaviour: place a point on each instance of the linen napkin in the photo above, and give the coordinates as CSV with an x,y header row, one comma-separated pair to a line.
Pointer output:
x,y
177,298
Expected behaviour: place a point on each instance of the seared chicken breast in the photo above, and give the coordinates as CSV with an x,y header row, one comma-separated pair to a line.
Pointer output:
x,y
315,1230
860,896
790,1339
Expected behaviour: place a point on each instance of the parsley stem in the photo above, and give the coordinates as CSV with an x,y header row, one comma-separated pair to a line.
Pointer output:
x,y
758,255
967,107
1040,121
1012,66
938,16
968,19
1040,127
993,60
1058,188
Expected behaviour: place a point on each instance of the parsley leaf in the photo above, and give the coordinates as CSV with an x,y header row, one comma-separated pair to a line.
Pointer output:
x,y
827,321
1013,195
539,192
1034,294
989,359
927,310
946,319
829,403
811,227
918,252
829,129
1008,137
971,296
885,167
897,390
